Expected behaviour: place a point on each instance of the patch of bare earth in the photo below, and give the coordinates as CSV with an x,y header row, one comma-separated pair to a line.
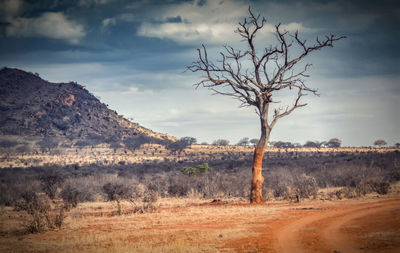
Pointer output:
x,y
363,225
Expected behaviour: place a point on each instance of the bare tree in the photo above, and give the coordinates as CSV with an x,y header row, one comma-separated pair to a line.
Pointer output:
x,y
273,69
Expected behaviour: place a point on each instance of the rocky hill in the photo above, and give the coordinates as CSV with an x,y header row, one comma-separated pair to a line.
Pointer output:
x,y
61,115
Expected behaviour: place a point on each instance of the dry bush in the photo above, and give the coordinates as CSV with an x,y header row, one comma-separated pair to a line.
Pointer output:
x,y
51,179
305,186
349,192
178,190
279,181
11,191
285,183
381,187
117,192
281,191
90,188
370,185
148,204
42,215
285,176
70,196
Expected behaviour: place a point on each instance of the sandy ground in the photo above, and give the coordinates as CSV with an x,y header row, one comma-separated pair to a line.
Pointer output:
x,y
358,225
369,227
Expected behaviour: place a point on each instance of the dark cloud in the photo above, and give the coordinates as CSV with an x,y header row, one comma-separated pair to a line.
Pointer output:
x,y
141,48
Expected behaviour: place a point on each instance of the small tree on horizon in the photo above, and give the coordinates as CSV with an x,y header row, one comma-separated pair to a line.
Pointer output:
x,y
243,142
333,143
181,144
282,144
312,144
274,68
380,143
220,142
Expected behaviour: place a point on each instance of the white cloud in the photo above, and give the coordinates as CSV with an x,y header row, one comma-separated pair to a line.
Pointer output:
x,y
108,22
188,33
54,25
294,26
211,23
200,23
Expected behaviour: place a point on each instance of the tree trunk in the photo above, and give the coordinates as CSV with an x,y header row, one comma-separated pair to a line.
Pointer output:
x,y
258,179
119,212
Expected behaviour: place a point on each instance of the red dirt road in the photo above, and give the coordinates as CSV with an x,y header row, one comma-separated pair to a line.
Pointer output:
x,y
357,225
368,227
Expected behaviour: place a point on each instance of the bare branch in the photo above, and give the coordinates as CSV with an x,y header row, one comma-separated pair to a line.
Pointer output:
x,y
273,70
280,113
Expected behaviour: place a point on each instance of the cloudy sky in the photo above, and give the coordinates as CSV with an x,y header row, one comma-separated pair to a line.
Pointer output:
x,y
133,54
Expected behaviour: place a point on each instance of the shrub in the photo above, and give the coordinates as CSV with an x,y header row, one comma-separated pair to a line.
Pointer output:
x,y
70,196
381,187
50,179
305,186
178,190
377,185
201,169
39,208
10,191
149,200
349,192
117,192
281,191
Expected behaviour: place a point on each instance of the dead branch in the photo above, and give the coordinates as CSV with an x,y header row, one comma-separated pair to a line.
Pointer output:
x,y
273,70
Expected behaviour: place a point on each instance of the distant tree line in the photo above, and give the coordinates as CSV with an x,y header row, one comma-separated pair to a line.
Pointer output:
x,y
185,142
332,143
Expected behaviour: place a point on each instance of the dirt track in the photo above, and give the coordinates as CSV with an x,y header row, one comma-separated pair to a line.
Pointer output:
x,y
357,225
370,227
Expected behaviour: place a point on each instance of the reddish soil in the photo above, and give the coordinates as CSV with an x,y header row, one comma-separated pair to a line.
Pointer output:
x,y
358,225
339,228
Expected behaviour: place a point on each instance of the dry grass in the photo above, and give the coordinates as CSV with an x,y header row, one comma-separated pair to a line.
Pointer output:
x,y
103,155
90,228
179,225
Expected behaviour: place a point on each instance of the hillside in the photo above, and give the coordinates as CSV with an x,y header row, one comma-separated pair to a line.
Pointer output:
x,y
61,114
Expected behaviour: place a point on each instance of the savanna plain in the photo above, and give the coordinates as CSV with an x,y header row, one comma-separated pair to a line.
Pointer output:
x,y
318,200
